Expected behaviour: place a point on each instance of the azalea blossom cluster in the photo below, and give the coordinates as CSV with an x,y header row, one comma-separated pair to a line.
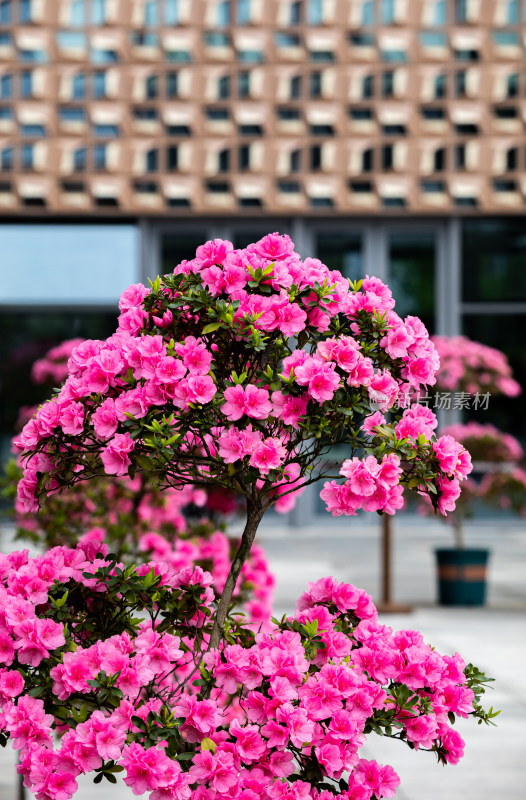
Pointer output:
x,y
500,481
241,369
473,367
104,657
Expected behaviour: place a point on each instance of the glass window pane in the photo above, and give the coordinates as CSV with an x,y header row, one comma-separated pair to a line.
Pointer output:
x,y
341,251
28,336
83,264
412,275
501,331
494,260
175,247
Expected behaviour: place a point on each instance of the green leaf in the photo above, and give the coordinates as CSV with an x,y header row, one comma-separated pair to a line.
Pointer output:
x,y
213,326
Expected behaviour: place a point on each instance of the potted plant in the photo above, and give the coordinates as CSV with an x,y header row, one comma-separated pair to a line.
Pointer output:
x,y
243,369
498,481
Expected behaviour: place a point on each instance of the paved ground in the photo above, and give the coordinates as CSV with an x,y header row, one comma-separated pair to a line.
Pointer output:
x,y
494,638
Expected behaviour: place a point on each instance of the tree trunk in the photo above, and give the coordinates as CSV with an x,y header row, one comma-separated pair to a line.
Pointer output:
x,y
459,533
254,515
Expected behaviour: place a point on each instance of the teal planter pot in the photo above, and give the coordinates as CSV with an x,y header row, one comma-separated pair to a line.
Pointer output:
x,y
462,576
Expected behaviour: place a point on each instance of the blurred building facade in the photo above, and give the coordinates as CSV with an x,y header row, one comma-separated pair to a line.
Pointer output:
x,y
385,136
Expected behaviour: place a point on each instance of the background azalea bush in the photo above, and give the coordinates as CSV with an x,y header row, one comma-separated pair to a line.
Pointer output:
x,y
243,370
469,366
498,480
104,670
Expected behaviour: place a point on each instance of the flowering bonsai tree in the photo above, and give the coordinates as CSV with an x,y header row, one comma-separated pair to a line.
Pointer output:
x,y
243,369
104,657
469,366
500,482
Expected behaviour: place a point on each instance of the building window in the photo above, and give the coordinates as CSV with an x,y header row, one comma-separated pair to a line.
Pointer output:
x,y
504,186
460,84
325,56
26,152
315,84
387,84
243,157
223,87
5,12
461,11
289,187
172,158
511,159
79,159
152,160
178,130
251,56
26,83
250,130
367,87
78,86
98,12
512,12
77,13
439,160
172,87
432,114
460,156
152,87
243,85
394,130
243,12
223,161
171,12
512,85
361,114
387,12
6,159
24,13
217,114
99,56
214,187
71,40
288,114
432,187
6,86
321,130
223,13
67,114
295,161
106,131
315,12
440,87
466,55
99,84
321,202
440,13
6,112
387,157
145,187
151,13
283,39
315,157
295,87
99,156
368,13
295,13
505,112
34,131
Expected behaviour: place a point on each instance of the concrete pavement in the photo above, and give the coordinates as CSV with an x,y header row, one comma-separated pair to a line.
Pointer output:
x,y
493,637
